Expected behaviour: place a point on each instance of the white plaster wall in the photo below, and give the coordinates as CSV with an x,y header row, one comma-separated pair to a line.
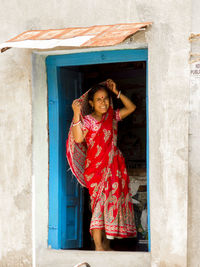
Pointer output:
x,y
15,159
194,147
168,96
168,105
40,152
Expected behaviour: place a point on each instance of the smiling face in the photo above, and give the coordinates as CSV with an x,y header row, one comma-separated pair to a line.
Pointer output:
x,y
100,102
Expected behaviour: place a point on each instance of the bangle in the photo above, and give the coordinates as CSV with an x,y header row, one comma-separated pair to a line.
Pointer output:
x,y
118,96
74,124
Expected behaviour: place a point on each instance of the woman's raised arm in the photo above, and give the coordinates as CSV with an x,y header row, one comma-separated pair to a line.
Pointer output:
x,y
129,107
77,132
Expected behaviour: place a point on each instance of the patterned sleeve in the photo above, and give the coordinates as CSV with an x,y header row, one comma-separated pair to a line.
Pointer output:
x,y
117,115
85,124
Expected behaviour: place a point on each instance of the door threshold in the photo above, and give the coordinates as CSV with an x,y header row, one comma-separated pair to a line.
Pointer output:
x,y
60,258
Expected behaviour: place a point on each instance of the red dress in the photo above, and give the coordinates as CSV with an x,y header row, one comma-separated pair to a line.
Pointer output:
x,y
105,175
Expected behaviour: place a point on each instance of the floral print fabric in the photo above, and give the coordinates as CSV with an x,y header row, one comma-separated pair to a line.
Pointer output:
x,y
106,177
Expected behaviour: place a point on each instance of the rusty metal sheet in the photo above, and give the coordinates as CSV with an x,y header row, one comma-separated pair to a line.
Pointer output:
x,y
99,35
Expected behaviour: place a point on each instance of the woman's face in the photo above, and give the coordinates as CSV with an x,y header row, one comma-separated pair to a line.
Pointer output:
x,y
100,102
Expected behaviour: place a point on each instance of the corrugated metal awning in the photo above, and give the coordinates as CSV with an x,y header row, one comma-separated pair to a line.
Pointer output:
x,y
100,35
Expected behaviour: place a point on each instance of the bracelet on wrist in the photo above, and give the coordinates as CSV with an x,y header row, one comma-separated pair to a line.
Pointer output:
x,y
74,124
118,96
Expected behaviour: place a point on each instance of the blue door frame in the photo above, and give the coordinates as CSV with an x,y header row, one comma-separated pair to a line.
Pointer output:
x,y
53,63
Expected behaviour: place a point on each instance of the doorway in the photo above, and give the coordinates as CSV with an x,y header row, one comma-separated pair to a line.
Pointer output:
x,y
73,201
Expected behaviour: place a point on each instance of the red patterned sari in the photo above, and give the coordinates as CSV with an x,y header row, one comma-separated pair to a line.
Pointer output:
x,y
102,170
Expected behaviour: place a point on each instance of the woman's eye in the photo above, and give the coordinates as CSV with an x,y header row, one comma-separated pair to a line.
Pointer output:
x,y
102,99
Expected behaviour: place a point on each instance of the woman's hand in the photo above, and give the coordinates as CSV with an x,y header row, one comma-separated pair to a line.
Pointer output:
x,y
112,86
129,106
76,106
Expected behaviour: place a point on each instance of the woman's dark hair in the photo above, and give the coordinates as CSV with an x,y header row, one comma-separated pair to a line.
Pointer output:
x,y
96,88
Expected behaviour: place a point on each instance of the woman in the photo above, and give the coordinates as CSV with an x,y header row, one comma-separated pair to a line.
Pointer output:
x,y
99,165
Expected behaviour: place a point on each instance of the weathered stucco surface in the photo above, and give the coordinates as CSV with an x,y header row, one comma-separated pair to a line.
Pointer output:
x,y
15,159
194,146
169,96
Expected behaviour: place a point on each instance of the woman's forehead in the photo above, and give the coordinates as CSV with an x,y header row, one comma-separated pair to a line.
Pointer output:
x,y
101,93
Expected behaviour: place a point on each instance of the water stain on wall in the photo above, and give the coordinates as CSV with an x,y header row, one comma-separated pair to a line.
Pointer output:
x,y
22,199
